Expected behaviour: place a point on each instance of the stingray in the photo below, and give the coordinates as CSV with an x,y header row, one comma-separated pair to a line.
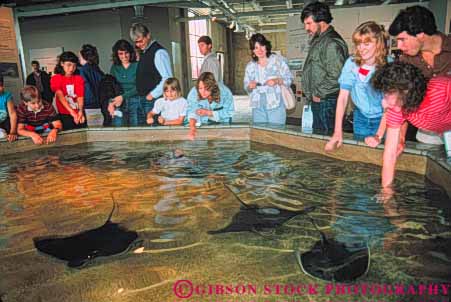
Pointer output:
x,y
255,219
332,260
80,249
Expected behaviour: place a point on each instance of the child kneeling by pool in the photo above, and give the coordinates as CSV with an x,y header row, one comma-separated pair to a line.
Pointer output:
x,y
36,117
170,110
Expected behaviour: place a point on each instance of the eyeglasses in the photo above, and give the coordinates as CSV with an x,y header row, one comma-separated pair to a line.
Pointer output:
x,y
139,41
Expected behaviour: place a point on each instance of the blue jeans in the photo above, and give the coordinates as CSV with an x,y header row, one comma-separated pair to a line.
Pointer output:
x,y
138,107
277,115
118,121
364,126
324,115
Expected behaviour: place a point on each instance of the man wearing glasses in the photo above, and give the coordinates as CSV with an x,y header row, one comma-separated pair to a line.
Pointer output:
x,y
154,67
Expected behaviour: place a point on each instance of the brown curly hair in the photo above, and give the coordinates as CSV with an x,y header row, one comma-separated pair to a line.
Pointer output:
x,y
210,84
405,79
367,31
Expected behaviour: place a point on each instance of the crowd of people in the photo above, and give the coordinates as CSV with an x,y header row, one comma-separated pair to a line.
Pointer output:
x,y
387,94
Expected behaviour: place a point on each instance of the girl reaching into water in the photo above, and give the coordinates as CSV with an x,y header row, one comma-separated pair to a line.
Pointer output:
x,y
370,41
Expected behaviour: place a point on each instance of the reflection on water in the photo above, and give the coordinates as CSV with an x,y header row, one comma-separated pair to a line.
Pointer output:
x,y
172,202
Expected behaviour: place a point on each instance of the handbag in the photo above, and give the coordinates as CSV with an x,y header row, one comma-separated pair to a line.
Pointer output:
x,y
288,97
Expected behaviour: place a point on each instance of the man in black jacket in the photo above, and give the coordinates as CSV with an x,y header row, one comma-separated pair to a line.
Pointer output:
x,y
41,80
154,67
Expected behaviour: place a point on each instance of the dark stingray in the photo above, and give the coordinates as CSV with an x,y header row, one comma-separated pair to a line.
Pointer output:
x,y
255,219
332,260
80,249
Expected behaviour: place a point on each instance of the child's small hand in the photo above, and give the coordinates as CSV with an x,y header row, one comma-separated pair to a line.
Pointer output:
x,y
111,109
11,137
74,115
37,139
51,138
150,120
81,117
161,120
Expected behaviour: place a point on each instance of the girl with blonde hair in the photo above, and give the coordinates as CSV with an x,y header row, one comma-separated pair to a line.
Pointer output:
x,y
370,41
171,108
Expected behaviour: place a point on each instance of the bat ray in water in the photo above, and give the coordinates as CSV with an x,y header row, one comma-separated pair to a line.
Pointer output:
x,y
256,219
332,260
80,249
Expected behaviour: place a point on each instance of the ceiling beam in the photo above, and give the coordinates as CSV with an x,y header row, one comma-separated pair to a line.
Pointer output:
x,y
246,14
272,12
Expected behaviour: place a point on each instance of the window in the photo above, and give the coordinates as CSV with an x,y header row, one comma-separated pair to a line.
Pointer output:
x,y
197,28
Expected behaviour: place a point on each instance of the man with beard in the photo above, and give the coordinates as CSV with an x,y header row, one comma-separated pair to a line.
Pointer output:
x,y
322,68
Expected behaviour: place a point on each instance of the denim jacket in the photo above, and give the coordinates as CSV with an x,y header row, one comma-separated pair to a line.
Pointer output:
x,y
222,110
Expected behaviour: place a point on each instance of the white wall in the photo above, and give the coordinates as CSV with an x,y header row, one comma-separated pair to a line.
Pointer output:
x,y
347,19
99,28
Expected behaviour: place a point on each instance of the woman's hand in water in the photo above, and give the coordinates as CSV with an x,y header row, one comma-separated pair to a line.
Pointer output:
x,y
192,134
385,194
192,129
335,142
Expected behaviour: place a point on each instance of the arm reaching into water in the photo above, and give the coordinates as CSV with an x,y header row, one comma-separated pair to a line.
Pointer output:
x,y
337,138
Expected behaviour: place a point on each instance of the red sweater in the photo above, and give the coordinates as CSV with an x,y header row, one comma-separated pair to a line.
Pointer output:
x,y
72,88
434,112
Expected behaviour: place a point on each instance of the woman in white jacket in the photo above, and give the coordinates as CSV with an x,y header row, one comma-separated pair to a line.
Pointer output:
x,y
262,80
